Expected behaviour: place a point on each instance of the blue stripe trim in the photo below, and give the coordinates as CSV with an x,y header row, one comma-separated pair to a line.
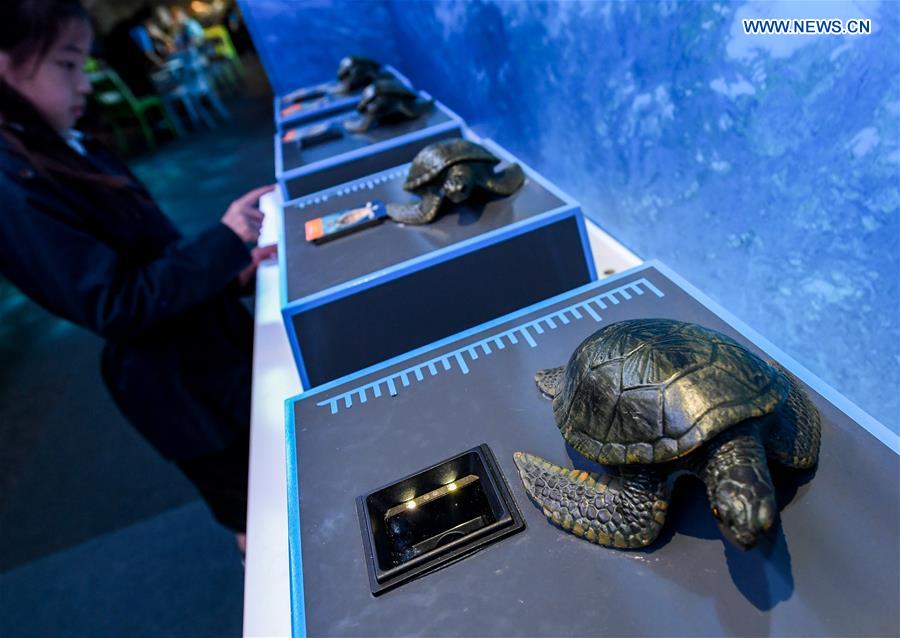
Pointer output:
x,y
295,553
838,400
402,78
446,360
586,246
286,317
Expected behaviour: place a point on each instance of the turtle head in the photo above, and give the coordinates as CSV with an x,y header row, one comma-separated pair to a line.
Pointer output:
x,y
459,182
744,511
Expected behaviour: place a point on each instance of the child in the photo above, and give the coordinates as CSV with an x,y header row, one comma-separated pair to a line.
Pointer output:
x,y
84,239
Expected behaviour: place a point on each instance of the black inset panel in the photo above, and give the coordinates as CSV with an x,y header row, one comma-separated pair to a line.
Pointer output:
x,y
387,320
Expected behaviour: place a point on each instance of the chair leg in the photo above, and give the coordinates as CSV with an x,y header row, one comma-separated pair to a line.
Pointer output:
x,y
146,130
234,78
204,114
217,105
191,110
171,118
121,141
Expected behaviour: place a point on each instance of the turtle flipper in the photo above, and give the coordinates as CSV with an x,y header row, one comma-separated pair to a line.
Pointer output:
x,y
416,108
794,437
422,212
359,124
616,511
507,181
550,381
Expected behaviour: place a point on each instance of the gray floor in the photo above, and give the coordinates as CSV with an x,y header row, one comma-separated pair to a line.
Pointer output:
x,y
98,535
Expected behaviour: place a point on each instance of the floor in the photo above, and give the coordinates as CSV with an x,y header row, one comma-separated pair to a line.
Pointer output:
x,y
99,535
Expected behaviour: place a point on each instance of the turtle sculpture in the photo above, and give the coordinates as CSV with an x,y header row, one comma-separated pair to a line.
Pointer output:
x,y
386,100
355,72
454,170
657,399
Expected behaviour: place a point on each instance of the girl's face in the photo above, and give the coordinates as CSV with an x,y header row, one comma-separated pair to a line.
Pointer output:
x,y
56,83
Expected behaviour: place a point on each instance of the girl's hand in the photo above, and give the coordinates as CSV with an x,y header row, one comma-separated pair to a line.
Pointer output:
x,y
257,255
244,216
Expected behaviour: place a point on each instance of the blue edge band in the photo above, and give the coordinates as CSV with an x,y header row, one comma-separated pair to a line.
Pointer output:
x,y
867,422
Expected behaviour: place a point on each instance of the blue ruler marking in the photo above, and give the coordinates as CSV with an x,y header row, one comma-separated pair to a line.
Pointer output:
x,y
552,321
524,332
368,183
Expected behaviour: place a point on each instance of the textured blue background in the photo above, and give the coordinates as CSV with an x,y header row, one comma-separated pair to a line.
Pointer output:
x,y
763,169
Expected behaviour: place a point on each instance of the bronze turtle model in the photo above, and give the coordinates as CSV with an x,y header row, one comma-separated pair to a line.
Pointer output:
x,y
453,170
386,100
658,399
354,72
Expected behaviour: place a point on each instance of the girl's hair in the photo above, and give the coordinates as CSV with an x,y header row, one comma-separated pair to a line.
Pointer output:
x,y
29,28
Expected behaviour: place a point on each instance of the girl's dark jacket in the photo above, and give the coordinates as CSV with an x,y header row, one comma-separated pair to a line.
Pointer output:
x,y
101,254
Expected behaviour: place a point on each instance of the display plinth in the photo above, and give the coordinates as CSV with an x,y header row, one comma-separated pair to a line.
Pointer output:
x,y
301,171
360,299
830,567
289,112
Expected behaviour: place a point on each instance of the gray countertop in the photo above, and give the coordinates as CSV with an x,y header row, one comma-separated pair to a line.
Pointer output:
x,y
829,568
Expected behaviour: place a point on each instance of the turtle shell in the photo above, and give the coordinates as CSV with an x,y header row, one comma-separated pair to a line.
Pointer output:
x,y
356,70
390,89
432,160
653,390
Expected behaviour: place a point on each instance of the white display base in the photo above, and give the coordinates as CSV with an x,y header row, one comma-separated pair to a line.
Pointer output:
x,y
267,604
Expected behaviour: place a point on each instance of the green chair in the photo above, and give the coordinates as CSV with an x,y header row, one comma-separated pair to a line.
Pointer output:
x,y
119,104
219,37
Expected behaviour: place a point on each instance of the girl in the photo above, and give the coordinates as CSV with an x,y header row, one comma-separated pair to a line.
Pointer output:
x,y
83,238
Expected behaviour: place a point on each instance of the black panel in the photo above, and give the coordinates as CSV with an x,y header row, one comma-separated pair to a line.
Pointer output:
x,y
382,322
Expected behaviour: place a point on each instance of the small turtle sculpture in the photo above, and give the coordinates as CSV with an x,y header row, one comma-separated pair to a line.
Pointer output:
x,y
657,399
452,170
355,72
386,100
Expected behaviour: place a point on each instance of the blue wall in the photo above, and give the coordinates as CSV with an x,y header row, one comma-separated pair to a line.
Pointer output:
x,y
764,169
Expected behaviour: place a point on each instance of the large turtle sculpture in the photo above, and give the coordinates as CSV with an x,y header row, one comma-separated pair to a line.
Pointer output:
x,y
386,100
658,399
454,170
354,72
